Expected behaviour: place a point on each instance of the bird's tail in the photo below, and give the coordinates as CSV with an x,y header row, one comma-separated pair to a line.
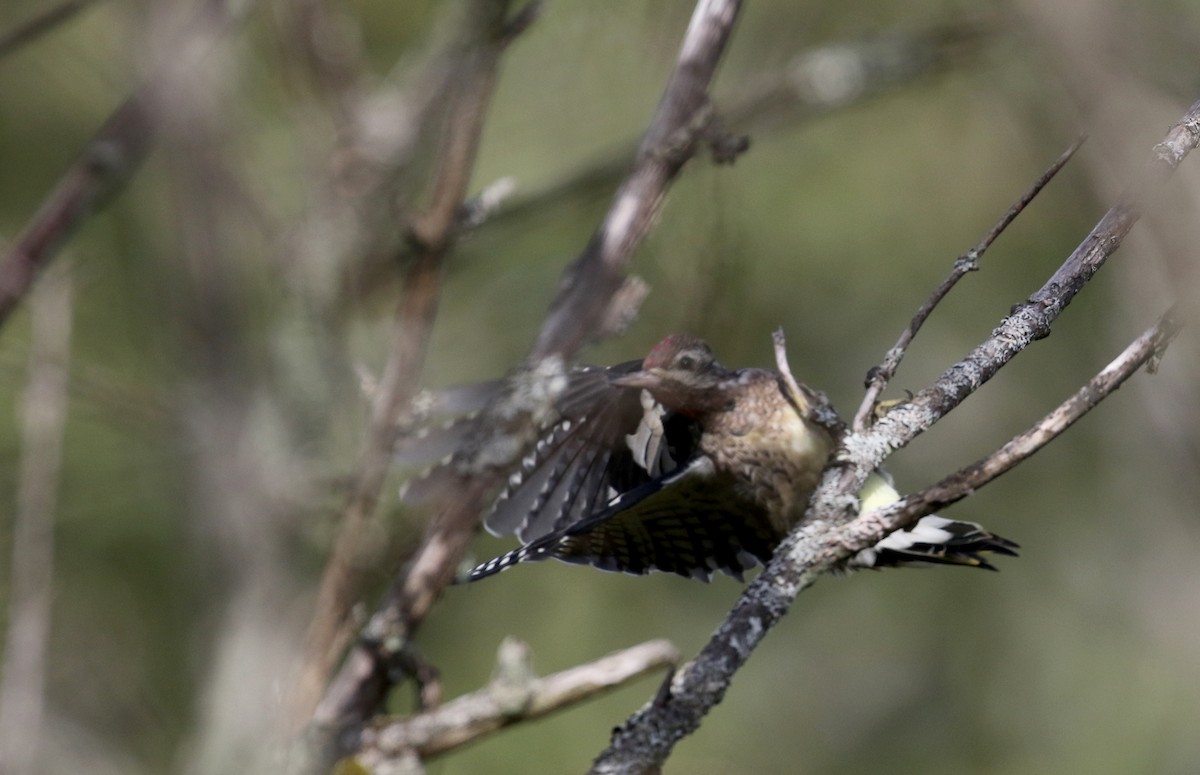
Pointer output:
x,y
932,540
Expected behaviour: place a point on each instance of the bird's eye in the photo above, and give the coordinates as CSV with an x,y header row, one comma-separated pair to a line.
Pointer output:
x,y
687,362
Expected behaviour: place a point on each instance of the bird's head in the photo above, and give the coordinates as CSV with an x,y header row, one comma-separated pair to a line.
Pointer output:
x,y
681,373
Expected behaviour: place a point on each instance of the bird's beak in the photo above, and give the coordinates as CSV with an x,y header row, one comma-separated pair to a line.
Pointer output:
x,y
638,379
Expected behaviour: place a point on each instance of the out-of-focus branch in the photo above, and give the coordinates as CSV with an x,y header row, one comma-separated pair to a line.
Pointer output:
x,y
33,28
44,416
319,37
584,304
433,232
112,156
514,694
826,536
107,162
684,117
815,83
879,376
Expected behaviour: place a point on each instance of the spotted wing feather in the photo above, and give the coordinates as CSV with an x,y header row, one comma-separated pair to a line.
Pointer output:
x,y
690,523
590,456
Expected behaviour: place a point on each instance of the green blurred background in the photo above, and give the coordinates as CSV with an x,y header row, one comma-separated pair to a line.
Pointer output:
x,y
1082,656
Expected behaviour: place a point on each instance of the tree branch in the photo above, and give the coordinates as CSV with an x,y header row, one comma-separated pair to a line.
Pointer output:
x,y
879,376
433,233
33,28
107,162
824,538
684,115
1144,350
44,416
110,158
514,694
585,305
814,83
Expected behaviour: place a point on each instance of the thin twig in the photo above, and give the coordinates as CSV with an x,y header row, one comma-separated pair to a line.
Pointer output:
x,y
33,28
823,539
815,83
514,694
1149,346
44,415
433,231
585,303
114,153
683,116
108,160
879,376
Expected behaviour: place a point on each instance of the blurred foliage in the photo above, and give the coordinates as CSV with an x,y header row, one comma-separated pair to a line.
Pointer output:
x,y
1080,657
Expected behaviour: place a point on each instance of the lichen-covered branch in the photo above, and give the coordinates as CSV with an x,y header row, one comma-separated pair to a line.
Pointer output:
x,y
827,535
879,376
594,297
514,694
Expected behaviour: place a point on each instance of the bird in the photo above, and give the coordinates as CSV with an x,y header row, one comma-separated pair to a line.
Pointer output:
x,y
676,463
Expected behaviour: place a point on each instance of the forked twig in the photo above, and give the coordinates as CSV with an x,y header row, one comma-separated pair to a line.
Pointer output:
x,y
827,534
590,298
514,694
879,376
433,234
1143,350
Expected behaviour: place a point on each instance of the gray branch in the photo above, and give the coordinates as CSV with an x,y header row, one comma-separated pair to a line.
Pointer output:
x,y
513,695
829,532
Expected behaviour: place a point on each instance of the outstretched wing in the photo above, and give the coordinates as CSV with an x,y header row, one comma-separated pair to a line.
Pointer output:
x,y
690,522
610,440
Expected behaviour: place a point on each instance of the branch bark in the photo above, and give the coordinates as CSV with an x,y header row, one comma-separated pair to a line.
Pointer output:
x,y
579,312
827,535
879,376
514,694
433,233
684,116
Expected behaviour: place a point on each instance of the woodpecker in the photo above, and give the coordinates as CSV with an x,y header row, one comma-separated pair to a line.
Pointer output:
x,y
675,463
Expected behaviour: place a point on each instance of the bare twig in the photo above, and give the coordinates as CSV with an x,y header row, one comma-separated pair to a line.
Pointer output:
x,y
585,305
433,232
823,538
683,116
33,28
514,694
44,415
1142,351
879,376
113,154
108,160
814,83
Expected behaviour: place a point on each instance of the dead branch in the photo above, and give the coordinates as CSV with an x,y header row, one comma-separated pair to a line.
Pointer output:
x,y
684,115
44,416
40,24
879,376
433,233
825,536
111,157
814,83
514,694
1144,350
585,304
